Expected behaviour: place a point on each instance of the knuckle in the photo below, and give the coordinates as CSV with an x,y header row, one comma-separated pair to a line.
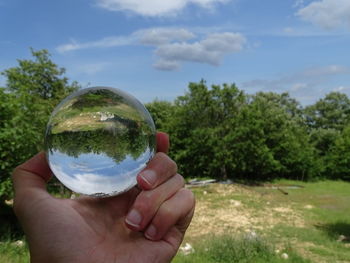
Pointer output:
x,y
161,155
189,196
181,180
173,165
166,213
170,163
145,201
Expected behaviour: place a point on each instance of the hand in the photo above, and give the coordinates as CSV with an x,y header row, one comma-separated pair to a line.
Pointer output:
x,y
145,225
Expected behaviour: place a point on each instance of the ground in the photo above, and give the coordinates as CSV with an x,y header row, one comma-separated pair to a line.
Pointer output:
x,y
307,223
312,218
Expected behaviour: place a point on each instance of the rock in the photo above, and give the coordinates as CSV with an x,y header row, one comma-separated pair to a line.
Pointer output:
x,y
228,181
18,243
235,202
308,206
9,202
196,182
252,235
187,249
284,256
342,238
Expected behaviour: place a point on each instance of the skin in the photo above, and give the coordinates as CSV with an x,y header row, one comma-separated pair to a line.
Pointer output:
x,y
146,224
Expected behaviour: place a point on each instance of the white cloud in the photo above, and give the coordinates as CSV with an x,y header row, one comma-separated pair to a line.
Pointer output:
x,y
342,89
210,50
328,14
298,3
302,85
159,36
166,65
172,46
103,43
154,7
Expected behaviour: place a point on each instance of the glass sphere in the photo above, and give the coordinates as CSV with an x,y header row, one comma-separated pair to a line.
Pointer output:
x,y
98,140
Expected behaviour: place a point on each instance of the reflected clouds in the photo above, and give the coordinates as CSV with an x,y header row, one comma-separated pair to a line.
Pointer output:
x,y
98,140
97,174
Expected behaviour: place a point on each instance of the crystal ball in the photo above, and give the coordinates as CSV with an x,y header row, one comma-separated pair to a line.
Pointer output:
x,y
97,141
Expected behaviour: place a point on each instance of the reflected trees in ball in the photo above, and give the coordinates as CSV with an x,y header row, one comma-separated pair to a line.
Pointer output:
x,y
98,140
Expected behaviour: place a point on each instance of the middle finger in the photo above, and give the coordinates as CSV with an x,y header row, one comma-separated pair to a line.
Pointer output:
x,y
147,202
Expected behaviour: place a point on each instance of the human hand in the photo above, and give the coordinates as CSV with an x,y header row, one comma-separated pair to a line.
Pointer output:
x,y
142,225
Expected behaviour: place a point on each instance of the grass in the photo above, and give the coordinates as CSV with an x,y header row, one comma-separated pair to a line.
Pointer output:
x,y
242,249
237,223
14,252
310,223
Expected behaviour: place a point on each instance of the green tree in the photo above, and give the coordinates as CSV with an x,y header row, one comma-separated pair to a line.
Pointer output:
x,y
32,90
162,113
330,112
269,140
200,123
338,159
326,120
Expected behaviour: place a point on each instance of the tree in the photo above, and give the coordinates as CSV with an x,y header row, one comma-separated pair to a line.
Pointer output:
x,y
269,141
331,112
338,159
32,90
326,120
201,121
162,113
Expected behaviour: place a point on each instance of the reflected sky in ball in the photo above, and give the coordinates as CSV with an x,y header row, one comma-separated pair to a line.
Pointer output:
x,y
98,140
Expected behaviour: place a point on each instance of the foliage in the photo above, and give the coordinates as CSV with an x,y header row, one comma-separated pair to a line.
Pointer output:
x,y
338,160
232,248
221,132
268,140
32,90
162,112
330,112
199,127
216,131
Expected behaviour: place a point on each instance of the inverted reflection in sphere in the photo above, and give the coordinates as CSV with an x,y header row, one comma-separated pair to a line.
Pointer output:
x,y
98,140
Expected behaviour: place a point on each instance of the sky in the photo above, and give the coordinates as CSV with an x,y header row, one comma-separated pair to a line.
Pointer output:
x,y
153,49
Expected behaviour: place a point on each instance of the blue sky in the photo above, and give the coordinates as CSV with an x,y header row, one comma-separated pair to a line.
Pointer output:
x,y
154,48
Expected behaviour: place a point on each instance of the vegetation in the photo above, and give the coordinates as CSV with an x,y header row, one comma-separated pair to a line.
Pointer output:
x,y
32,90
310,224
237,223
216,132
221,132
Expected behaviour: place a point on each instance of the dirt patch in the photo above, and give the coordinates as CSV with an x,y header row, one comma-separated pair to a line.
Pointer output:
x,y
249,212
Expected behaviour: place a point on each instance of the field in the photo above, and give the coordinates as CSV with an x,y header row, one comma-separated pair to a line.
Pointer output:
x,y
287,221
308,223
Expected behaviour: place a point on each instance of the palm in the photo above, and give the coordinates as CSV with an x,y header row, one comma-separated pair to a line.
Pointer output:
x,y
99,232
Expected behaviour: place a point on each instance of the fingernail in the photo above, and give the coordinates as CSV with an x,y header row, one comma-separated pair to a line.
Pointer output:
x,y
149,176
134,218
151,232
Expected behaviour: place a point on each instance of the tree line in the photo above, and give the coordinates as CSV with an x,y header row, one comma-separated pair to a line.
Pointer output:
x,y
218,131
223,132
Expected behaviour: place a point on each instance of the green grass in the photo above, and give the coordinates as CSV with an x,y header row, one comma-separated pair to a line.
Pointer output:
x,y
243,249
308,229
13,251
310,220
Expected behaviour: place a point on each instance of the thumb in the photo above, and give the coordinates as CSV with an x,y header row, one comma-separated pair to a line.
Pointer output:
x,y
30,178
